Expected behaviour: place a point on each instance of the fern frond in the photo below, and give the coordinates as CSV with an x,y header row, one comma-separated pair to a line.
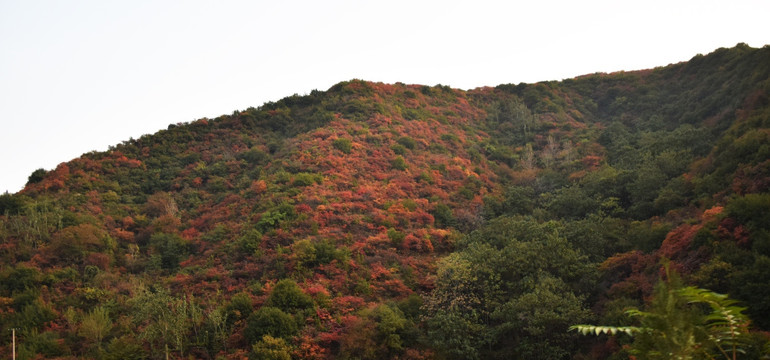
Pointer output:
x,y
610,330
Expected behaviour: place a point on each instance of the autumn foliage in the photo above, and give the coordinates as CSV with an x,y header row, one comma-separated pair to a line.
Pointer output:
x,y
334,224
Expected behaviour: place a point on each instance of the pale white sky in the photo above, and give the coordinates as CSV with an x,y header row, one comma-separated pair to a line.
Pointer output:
x,y
77,76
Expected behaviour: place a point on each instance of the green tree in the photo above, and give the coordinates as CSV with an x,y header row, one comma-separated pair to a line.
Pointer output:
x,y
270,321
343,144
399,163
170,248
749,257
443,216
511,120
249,242
255,156
570,203
288,297
407,142
215,331
124,348
238,308
95,325
271,348
380,332
167,322
11,204
37,345
511,286
532,322
455,316
519,200
37,176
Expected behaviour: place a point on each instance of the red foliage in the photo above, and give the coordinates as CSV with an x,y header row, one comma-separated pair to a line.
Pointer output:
x,y
606,349
627,263
347,304
190,234
631,273
592,162
677,242
752,179
259,186
128,222
420,244
308,349
394,288
730,229
635,286
100,260
303,208
123,235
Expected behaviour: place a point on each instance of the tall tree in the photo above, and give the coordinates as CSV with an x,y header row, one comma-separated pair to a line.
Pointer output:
x,y
95,326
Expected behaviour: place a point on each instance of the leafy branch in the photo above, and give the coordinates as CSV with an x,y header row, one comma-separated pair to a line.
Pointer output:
x,y
723,329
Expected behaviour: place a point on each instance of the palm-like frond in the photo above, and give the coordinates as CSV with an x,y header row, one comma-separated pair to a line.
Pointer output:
x,y
726,324
610,330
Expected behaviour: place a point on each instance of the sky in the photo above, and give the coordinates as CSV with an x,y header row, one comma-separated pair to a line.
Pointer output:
x,y
78,76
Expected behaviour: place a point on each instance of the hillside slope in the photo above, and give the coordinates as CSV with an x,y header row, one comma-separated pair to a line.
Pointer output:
x,y
400,221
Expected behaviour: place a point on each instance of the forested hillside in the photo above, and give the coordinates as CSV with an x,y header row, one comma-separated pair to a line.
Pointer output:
x,y
393,221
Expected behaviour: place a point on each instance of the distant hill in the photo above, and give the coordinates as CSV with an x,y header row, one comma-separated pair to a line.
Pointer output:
x,y
401,221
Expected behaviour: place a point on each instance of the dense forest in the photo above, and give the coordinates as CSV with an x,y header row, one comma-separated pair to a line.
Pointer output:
x,y
394,221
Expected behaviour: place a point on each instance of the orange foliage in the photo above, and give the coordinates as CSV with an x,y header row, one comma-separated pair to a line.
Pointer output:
x,y
259,186
123,235
712,213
